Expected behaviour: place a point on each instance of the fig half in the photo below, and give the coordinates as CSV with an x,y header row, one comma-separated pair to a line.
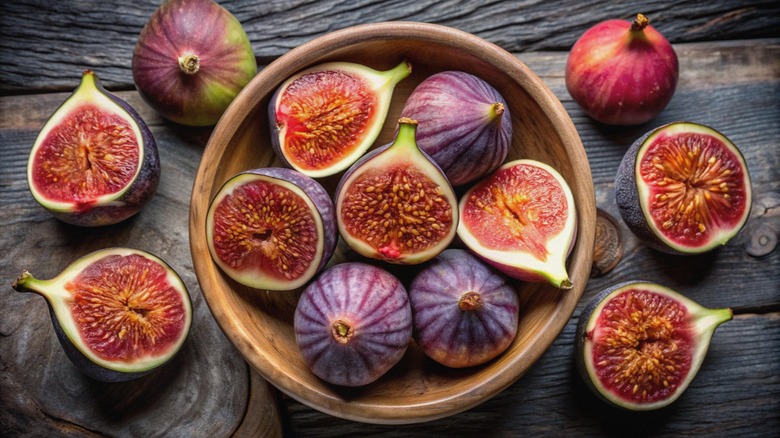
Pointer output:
x,y
119,313
522,220
94,162
271,228
395,204
640,344
684,188
325,117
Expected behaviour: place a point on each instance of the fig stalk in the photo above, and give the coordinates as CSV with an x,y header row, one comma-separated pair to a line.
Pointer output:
x,y
640,23
189,64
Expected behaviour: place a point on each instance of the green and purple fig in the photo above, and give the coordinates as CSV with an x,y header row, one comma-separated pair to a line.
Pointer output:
x,y
191,60
395,204
463,124
353,323
464,312
326,117
271,228
94,162
684,188
640,344
119,313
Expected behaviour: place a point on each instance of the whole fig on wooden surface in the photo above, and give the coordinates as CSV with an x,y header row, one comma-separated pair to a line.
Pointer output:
x,y
94,162
621,72
353,323
271,228
463,124
684,188
522,220
191,60
327,116
119,313
640,344
395,204
464,312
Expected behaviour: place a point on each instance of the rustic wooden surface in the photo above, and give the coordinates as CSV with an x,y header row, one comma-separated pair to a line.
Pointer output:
x,y
730,79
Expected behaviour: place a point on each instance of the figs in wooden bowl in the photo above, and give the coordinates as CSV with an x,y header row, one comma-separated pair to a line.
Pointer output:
x,y
260,323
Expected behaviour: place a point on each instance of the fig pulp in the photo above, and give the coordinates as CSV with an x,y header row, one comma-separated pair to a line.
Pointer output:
x,y
522,220
621,72
464,313
327,116
639,344
395,204
94,162
191,60
119,313
684,188
353,323
463,124
271,228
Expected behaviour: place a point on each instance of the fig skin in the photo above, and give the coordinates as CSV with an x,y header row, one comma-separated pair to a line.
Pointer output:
x,y
353,323
400,155
464,312
702,324
191,60
622,72
627,194
464,124
379,85
323,207
122,205
60,295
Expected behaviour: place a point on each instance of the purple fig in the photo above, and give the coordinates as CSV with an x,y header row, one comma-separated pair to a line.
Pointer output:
x,y
464,124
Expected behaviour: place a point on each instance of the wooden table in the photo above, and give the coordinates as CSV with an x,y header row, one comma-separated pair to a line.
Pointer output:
x,y
729,55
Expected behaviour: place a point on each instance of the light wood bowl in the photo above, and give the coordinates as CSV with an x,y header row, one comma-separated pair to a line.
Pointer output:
x,y
260,323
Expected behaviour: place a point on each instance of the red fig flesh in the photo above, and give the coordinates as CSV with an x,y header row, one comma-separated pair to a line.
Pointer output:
x,y
621,72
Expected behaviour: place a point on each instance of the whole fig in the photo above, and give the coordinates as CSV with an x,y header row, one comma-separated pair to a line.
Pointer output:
x,y
463,124
621,72
191,60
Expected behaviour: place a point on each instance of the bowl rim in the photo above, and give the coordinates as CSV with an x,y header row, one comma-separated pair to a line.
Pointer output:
x,y
509,372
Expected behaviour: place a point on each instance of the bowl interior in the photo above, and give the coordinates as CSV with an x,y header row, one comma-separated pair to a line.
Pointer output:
x,y
260,323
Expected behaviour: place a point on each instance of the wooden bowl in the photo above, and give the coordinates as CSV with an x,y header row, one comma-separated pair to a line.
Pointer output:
x,y
260,323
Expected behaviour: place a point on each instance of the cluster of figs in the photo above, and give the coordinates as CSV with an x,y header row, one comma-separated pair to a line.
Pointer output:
x,y
683,188
277,228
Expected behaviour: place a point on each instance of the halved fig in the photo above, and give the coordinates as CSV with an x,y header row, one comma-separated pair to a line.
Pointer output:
x,y
464,124
353,323
325,117
395,204
522,220
464,312
119,313
640,344
684,188
94,162
271,228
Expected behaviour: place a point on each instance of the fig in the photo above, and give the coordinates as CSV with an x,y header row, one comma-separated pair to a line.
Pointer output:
x,y
94,162
464,313
119,313
326,117
683,188
464,124
353,323
271,228
640,344
395,204
621,72
521,219
191,60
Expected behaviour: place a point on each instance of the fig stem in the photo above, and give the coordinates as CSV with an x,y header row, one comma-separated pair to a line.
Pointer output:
x,y
27,283
470,301
640,23
342,331
407,130
498,110
189,64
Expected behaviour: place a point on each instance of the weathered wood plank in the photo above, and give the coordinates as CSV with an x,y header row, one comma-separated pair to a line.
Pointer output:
x,y
45,44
